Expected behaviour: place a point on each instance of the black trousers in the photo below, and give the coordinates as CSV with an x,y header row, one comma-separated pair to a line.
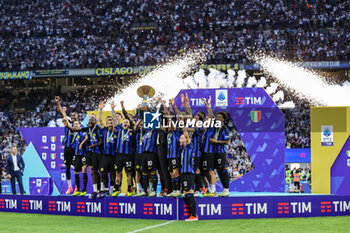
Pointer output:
x,y
163,165
18,175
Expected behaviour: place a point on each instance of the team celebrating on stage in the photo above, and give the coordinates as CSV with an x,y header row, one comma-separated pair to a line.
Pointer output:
x,y
184,158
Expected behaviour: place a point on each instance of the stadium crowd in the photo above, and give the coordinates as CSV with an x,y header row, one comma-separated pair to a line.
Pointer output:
x,y
49,35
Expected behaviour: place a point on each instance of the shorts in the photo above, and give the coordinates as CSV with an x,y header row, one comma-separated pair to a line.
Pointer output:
x,y
78,161
95,160
122,161
68,156
107,163
173,163
207,162
220,161
187,181
148,162
138,162
89,158
133,158
196,163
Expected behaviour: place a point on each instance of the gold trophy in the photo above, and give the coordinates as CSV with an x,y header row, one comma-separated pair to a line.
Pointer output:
x,y
145,92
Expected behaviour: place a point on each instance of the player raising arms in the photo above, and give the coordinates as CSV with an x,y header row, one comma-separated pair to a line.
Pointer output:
x,y
123,159
110,138
174,163
219,139
187,153
196,137
94,139
67,142
208,151
139,136
149,166
79,158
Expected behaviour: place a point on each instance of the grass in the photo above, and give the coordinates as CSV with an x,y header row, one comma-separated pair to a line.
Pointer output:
x,y
23,223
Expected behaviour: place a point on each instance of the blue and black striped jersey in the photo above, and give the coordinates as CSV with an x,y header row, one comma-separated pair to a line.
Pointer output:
x,y
221,134
68,135
94,135
187,155
207,146
125,141
77,138
150,141
196,140
138,141
173,143
110,139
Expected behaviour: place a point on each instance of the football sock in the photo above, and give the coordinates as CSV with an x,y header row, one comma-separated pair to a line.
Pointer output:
x,y
85,180
77,181
154,182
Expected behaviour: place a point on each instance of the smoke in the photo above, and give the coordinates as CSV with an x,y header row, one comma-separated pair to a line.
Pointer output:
x,y
165,79
305,83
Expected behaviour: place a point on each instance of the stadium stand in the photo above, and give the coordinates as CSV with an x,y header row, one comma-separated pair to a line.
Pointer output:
x,y
48,35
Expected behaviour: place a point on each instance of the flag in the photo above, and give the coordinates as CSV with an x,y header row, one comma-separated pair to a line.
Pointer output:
x,y
53,138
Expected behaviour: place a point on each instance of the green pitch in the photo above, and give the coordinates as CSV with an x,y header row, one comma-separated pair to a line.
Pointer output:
x,y
23,223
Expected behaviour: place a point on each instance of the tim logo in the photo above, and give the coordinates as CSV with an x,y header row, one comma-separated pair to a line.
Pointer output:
x,y
121,208
2,203
152,120
294,207
59,206
32,205
248,101
210,209
88,207
221,98
326,207
249,208
44,139
53,147
157,209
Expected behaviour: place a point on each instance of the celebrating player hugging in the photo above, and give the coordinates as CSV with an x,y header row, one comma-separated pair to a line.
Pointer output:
x,y
185,152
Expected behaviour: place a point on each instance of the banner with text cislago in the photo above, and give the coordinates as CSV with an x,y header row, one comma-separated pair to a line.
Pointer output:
x,y
145,69
15,75
123,70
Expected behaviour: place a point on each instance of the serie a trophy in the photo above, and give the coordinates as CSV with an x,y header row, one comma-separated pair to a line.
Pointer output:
x,y
145,92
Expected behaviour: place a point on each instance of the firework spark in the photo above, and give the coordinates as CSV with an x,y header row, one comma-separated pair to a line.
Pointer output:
x,y
305,83
165,79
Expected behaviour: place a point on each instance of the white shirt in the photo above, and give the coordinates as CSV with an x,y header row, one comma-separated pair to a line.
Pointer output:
x,y
14,159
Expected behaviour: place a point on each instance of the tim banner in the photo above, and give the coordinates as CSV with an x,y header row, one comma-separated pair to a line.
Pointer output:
x,y
260,126
177,209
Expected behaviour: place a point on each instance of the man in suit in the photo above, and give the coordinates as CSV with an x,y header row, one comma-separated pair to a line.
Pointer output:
x,y
14,167
2,168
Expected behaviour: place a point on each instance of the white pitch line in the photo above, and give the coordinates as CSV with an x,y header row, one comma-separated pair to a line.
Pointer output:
x,y
150,227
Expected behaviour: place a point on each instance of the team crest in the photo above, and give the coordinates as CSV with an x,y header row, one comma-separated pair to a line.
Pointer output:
x,y
255,116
